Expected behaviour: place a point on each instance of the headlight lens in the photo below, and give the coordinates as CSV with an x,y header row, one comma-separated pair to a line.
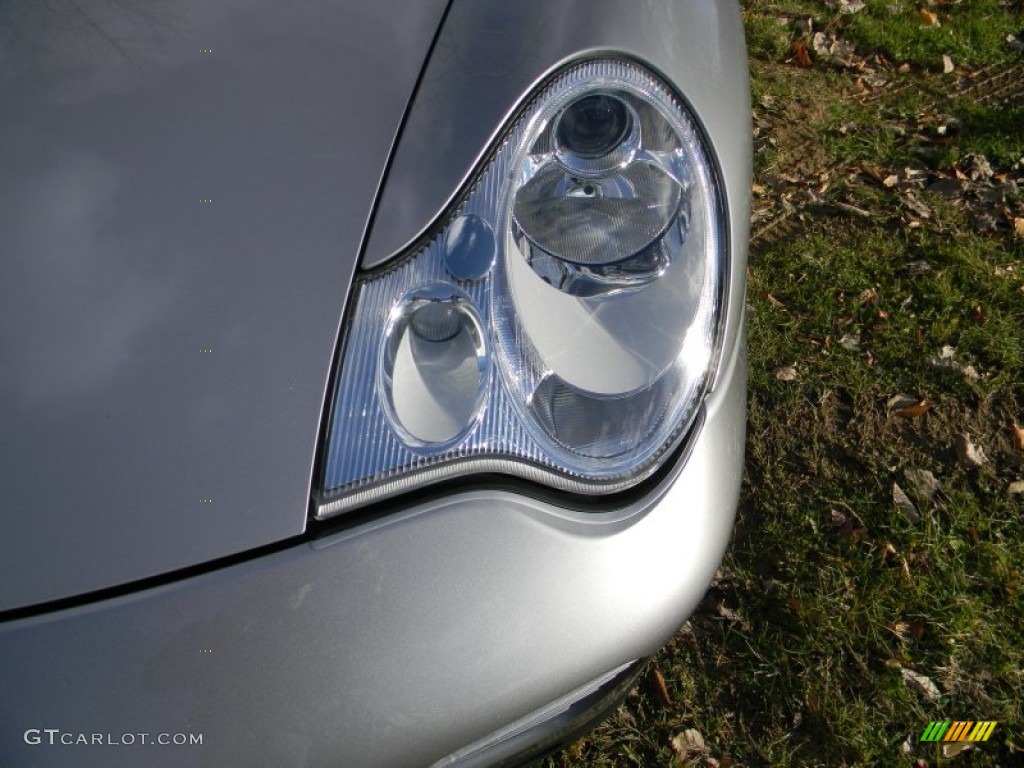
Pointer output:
x,y
563,322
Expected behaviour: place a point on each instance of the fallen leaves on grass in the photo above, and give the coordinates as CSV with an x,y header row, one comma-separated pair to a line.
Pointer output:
x,y
923,482
920,683
907,406
917,268
900,628
690,744
836,50
974,167
801,56
850,341
947,64
1016,487
946,362
929,18
905,630
731,615
917,627
1018,436
905,505
916,205
867,296
659,690
786,373
836,518
969,454
955,748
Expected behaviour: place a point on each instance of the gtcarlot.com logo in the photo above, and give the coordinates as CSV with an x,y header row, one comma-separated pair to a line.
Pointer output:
x,y
57,737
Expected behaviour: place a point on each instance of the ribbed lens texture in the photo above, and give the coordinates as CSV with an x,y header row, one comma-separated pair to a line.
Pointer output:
x,y
587,254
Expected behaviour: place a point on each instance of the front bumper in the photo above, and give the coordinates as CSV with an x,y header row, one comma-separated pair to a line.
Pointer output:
x,y
397,642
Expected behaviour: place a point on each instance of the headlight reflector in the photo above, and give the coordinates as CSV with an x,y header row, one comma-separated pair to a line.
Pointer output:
x,y
563,322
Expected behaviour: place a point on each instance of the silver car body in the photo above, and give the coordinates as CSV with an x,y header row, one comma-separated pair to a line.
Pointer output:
x,y
165,363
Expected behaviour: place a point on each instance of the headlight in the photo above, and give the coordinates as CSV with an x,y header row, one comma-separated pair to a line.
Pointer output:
x,y
563,321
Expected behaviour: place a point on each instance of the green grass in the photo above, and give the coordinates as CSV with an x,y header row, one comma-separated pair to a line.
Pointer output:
x,y
835,590
972,33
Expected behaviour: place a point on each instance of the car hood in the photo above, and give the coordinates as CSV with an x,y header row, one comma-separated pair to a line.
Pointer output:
x,y
184,188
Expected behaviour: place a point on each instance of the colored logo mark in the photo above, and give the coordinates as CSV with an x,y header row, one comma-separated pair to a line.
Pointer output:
x,y
958,730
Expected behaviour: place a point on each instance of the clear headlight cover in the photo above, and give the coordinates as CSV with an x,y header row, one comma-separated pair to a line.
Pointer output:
x,y
563,322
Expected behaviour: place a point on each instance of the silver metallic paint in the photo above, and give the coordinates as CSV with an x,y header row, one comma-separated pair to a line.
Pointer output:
x,y
392,644
114,277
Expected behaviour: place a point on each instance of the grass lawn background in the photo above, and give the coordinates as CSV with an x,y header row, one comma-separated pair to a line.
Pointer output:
x,y
874,582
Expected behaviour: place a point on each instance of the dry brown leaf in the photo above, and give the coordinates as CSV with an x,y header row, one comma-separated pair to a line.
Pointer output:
x,y
731,615
1016,487
929,18
907,747
900,628
918,682
905,505
1018,226
658,688
873,171
867,296
947,64
688,743
918,268
977,167
836,518
787,373
923,482
917,627
902,400
969,454
850,341
801,56
955,748
914,410
1018,436
946,362
917,205
908,406
820,43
